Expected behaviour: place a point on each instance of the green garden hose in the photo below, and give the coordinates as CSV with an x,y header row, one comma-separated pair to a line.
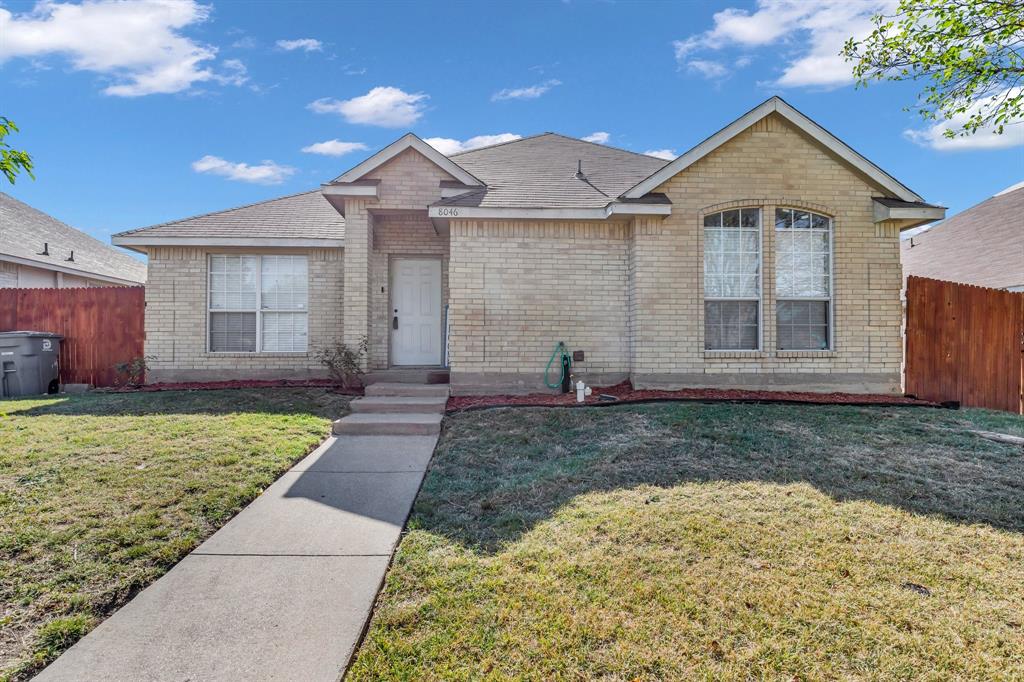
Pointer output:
x,y
562,353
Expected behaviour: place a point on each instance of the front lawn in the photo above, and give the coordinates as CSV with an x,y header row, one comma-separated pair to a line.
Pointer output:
x,y
692,541
101,494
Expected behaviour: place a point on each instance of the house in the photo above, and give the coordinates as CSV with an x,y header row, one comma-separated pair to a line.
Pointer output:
x,y
37,250
983,245
766,256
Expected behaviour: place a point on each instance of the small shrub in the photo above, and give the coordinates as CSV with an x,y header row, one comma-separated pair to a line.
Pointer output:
x,y
344,364
133,372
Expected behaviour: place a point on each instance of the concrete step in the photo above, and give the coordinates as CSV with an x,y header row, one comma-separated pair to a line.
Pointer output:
x,y
401,424
394,389
391,404
407,376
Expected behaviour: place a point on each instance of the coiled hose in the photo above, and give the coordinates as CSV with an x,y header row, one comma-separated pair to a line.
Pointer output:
x,y
564,360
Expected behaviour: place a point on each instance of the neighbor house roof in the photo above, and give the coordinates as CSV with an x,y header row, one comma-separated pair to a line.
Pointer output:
x,y
983,245
305,219
551,171
25,230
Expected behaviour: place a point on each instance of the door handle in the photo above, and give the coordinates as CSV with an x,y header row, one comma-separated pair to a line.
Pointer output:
x,y
394,320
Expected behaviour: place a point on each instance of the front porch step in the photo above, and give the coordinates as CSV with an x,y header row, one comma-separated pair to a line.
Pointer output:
x,y
415,375
397,404
394,389
403,424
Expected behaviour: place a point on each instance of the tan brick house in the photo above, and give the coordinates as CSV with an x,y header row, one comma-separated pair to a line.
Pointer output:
x,y
766,256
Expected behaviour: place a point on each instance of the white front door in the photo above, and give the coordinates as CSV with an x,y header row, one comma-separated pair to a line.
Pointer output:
x,y
416,311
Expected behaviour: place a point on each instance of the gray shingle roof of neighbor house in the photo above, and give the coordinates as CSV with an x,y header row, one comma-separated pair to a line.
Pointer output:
x,y
983,245
541,172
24,230
304,216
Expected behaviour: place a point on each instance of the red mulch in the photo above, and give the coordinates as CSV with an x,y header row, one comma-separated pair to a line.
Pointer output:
x,y
627,394
237,383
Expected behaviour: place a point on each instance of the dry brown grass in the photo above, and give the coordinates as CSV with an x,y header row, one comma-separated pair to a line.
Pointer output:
x,y
710,542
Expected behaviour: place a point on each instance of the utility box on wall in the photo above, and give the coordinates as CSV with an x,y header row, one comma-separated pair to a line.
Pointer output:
x,y
29,363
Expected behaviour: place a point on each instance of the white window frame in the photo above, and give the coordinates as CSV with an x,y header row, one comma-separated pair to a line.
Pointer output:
x,y
760,280
258,310
830,299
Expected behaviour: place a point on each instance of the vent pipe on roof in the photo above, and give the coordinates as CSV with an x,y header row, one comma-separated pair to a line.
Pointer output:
x,y
71,258
46,250
579,170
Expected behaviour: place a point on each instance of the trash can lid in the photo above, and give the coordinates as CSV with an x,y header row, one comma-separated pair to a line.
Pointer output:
x,y
34,335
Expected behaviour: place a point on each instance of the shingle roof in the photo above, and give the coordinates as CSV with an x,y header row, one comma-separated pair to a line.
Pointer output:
x,y
983,245
24,230
540,172
307,215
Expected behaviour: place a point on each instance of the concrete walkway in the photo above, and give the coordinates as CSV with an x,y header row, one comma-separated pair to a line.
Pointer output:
x,y
285,589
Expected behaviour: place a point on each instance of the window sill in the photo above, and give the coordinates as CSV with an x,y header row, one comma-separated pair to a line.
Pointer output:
x,y
736,354
276,354
805,353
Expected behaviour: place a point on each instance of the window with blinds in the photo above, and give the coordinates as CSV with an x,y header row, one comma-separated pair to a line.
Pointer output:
x,y
732,280
258,303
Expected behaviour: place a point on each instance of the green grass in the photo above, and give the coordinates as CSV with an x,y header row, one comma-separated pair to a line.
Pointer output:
x,y
691,541
100,494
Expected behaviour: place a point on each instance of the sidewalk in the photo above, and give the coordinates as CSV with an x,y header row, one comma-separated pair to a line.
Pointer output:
x,y
283,591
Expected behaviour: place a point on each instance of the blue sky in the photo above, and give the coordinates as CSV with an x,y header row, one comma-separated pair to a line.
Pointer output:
x,y
138,114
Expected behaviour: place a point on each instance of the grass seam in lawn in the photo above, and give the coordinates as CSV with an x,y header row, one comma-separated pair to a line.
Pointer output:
x,y
707,401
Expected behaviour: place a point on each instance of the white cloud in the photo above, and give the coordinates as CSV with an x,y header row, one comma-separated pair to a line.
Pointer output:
x,y
984,138
532,92
306,44
812,33
382,106
265,173
448,146
138,45
708,68
236,73
667,154
334,148
599,138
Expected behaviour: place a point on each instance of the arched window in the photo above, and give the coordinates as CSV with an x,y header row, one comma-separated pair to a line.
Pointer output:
x,y
732,280
803,280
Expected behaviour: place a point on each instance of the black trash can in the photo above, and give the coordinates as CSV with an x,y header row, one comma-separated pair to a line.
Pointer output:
x,y
28,361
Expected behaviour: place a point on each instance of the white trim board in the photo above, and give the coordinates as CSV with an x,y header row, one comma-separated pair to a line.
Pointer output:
x,y
925,214
774,105
68,271
408,141
283,242
350,190
515,213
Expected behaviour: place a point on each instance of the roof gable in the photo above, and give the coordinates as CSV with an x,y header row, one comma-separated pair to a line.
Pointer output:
x,y
803,123
407,141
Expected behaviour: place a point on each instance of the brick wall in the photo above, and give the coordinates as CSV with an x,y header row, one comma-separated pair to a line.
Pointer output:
x,y
770,164
631,295
176,318
518,288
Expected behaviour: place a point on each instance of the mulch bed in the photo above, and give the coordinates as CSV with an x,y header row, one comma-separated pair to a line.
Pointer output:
x,y
625,393
238,383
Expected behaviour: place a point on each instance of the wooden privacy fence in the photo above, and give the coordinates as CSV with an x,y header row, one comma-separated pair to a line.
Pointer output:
x,y
965,343
101,326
